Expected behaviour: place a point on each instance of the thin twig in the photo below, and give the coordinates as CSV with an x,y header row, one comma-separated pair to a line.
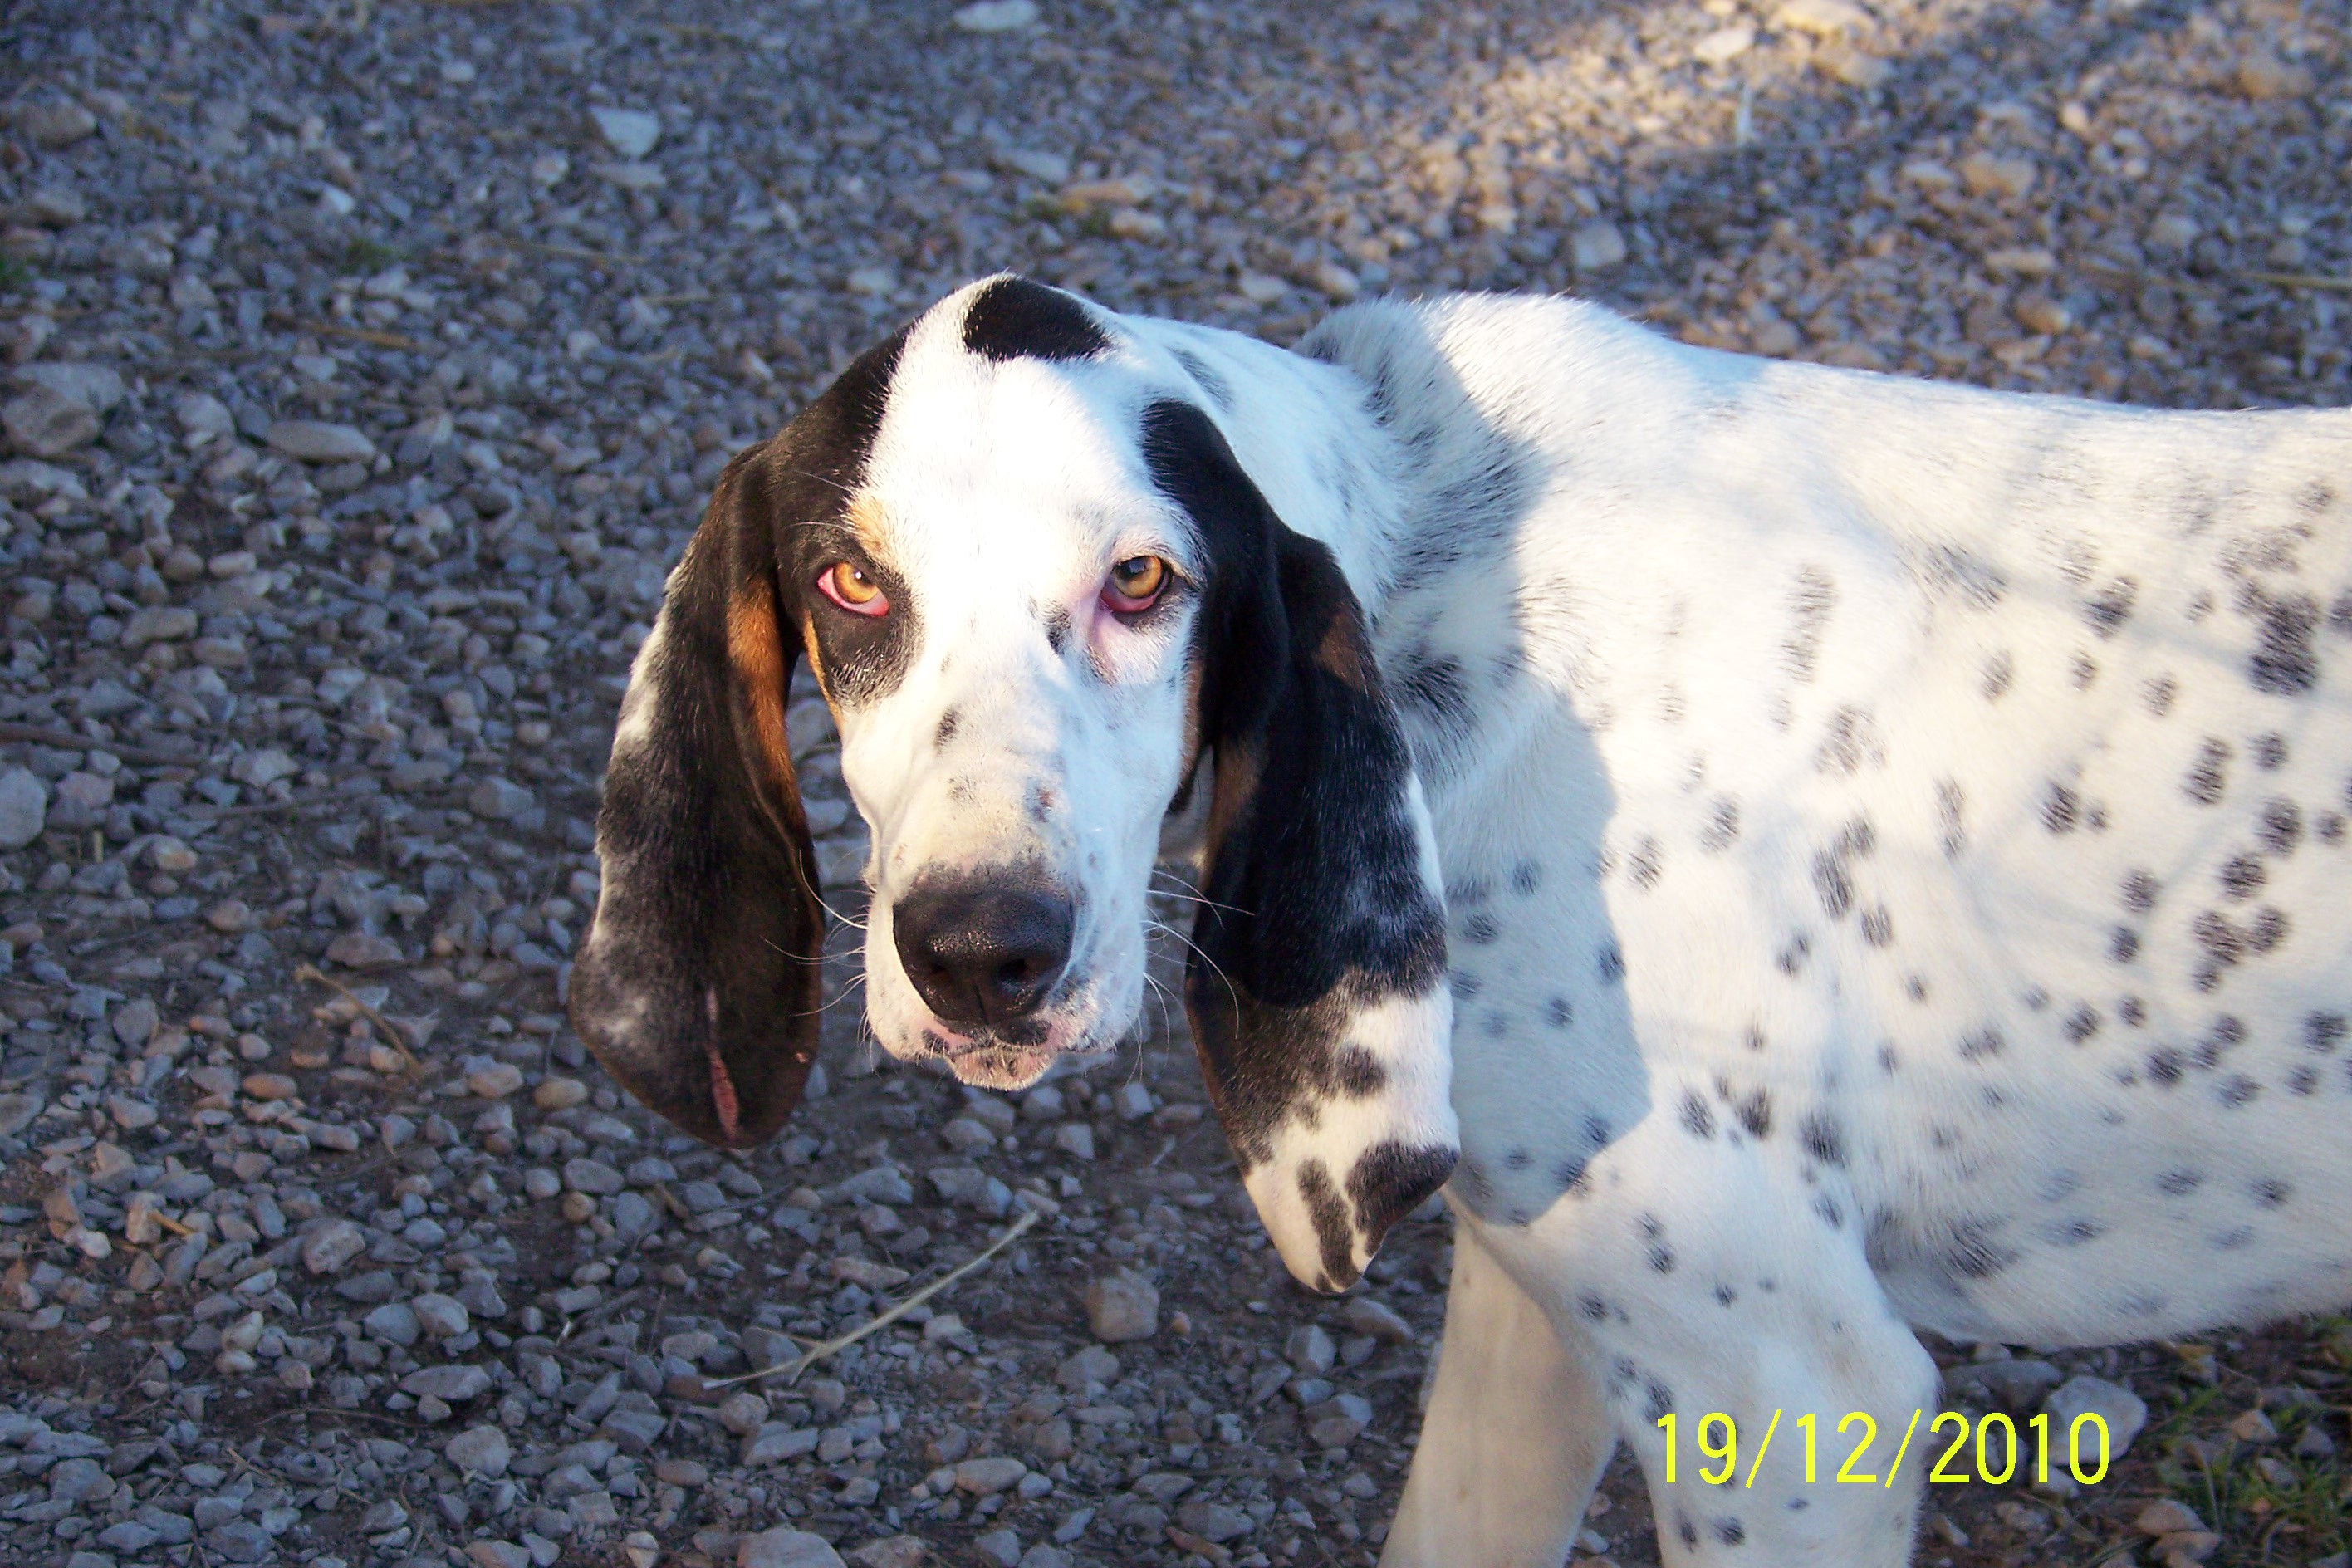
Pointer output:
x,y
793,1368
310,971
2301,280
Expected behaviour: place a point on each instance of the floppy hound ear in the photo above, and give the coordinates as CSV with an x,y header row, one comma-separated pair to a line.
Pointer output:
x,y
1316,987
698,986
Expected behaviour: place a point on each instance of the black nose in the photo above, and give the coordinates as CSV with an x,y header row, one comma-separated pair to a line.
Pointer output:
x,y
982,950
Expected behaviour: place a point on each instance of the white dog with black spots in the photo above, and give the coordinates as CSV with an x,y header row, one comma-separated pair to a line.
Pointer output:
x,y
1798,856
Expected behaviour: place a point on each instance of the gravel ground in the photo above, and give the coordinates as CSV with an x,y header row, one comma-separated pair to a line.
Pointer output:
x,y
366,364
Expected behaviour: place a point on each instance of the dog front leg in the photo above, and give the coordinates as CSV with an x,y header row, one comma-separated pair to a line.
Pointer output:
x,y
1514,1439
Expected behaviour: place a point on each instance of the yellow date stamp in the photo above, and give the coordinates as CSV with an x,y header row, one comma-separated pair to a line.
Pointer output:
x,y
1988,1448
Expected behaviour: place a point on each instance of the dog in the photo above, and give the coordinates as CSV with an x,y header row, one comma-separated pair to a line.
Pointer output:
x,y
1798,856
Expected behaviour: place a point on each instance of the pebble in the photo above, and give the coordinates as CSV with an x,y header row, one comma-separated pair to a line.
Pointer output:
x,y
480,1450
332,1246
631,132
451,1384
1123,1307
987,1477
2123,1412
313,441
786,1548
24,808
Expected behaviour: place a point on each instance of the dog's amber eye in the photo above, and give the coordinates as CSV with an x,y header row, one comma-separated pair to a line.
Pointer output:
x,y
847,583
1135,584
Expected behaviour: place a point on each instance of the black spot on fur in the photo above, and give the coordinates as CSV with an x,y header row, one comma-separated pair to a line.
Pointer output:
x,y
2061,809
2236,1089
1014,318
1722,829
1057,629
2209,775
1823,1139
2081,1024
1480,930
1730,1531
1833,885
2281,826
2123,944
1390,1180
2323,1032
2140,891
2270,750
1610,964
2178,1184
1983,1044
2243,877
1755,1113
1356,1072
2271,1192
1526,878
2111,606
948,721
1810,604
1207,379
1558,1014
1660,1402
1330,1217
2286,661
1697,1117
1877,926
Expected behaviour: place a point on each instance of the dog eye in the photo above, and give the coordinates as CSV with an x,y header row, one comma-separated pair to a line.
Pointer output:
x,y
1135,584
847,583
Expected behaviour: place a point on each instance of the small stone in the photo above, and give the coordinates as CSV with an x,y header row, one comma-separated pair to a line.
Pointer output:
x,y
493,1079
1366,1316
158,622
81,1480
2167,1517
451,1384
497,1554
230,916
678,1472
2253,1426
1597,247
500,800
1131,1101
2123,1412
996,16
269,1086
314,441
1723,46
55,124
1215,1522
559,1093
2040,314
1000,1547
329,1248
894,1552
1092,1364
631,132
986,1476
2006,177
965,1135
1310,1350
364,951
1075,1138
593,1176
776,1442
785,1549
2262,75
480,1450
1821,19
442,1317
24,808
1123,1307
1044,1556
44,423
540,1183
393,1323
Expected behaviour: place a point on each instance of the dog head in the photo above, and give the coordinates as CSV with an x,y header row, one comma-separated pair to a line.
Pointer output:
x,y
1047,603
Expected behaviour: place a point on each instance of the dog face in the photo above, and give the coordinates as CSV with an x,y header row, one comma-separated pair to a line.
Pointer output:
x,y
1043,599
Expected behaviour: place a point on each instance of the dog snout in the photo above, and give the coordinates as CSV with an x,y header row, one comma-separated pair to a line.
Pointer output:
x,y
983,951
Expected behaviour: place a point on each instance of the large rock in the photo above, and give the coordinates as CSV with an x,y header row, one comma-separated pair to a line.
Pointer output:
x,y
315,441
24,808
2123,1412
480,1450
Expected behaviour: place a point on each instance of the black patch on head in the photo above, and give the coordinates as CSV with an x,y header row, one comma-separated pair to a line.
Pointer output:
x,y
1329,1214
1014,318
1356,1072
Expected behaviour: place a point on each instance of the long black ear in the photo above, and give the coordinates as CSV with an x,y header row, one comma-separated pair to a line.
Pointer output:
x,y
698,987
1317,988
